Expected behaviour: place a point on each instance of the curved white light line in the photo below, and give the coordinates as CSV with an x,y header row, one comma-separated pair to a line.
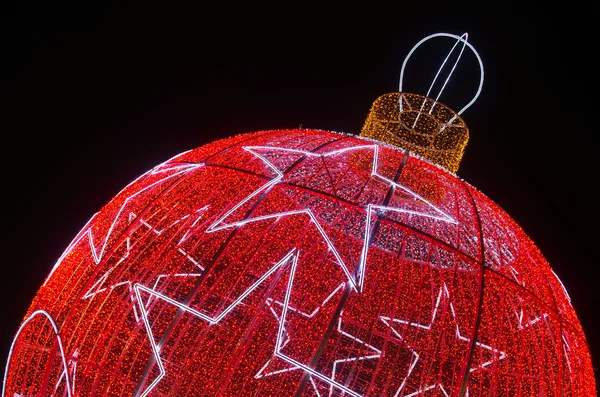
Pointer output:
x,y
62,352
459,38
562,285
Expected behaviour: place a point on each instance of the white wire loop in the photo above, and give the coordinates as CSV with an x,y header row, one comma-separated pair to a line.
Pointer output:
x,y
459,39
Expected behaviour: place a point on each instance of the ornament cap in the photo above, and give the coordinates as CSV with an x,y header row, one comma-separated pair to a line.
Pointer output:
x,y
419,124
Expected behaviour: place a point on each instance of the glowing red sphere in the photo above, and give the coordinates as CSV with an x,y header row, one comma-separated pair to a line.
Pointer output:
x,y
300,263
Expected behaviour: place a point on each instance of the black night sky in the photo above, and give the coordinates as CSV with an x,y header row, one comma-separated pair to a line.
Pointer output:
x,y
94,97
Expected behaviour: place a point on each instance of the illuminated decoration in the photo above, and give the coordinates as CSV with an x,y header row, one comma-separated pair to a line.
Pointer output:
x,y
300,263
420,124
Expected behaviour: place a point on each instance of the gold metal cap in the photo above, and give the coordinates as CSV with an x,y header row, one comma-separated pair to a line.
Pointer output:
x,y
420,125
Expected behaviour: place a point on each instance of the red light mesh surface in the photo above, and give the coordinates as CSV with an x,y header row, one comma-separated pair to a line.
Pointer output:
x,y
236,269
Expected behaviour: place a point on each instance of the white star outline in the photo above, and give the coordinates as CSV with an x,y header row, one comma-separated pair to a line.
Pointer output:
x,y
377,352
138,288
355,284
165,167
389,323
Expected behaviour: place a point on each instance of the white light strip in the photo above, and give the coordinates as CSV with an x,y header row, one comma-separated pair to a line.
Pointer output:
x,y
502,354
256,192
465,36
260,374
195,262
312,382
147,304
339,328
565,347
174,275
82,233
286,302
155,350
60,346
530,322
425,327
345,360
98,257
63,373
422,390
413,363
515,276
200,212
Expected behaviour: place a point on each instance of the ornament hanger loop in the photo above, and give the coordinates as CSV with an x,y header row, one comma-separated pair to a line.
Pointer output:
x,y
459,39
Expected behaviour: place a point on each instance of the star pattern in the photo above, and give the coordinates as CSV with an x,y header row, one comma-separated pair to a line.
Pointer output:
x,y
356,282
139,289
443,295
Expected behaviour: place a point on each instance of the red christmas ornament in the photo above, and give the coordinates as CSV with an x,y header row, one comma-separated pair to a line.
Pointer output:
x,y
302,263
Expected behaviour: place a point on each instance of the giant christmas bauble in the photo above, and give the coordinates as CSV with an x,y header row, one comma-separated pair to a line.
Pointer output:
x,y
300,263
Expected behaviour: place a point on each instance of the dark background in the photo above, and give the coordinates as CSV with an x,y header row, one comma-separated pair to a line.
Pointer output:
x,y
94,97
